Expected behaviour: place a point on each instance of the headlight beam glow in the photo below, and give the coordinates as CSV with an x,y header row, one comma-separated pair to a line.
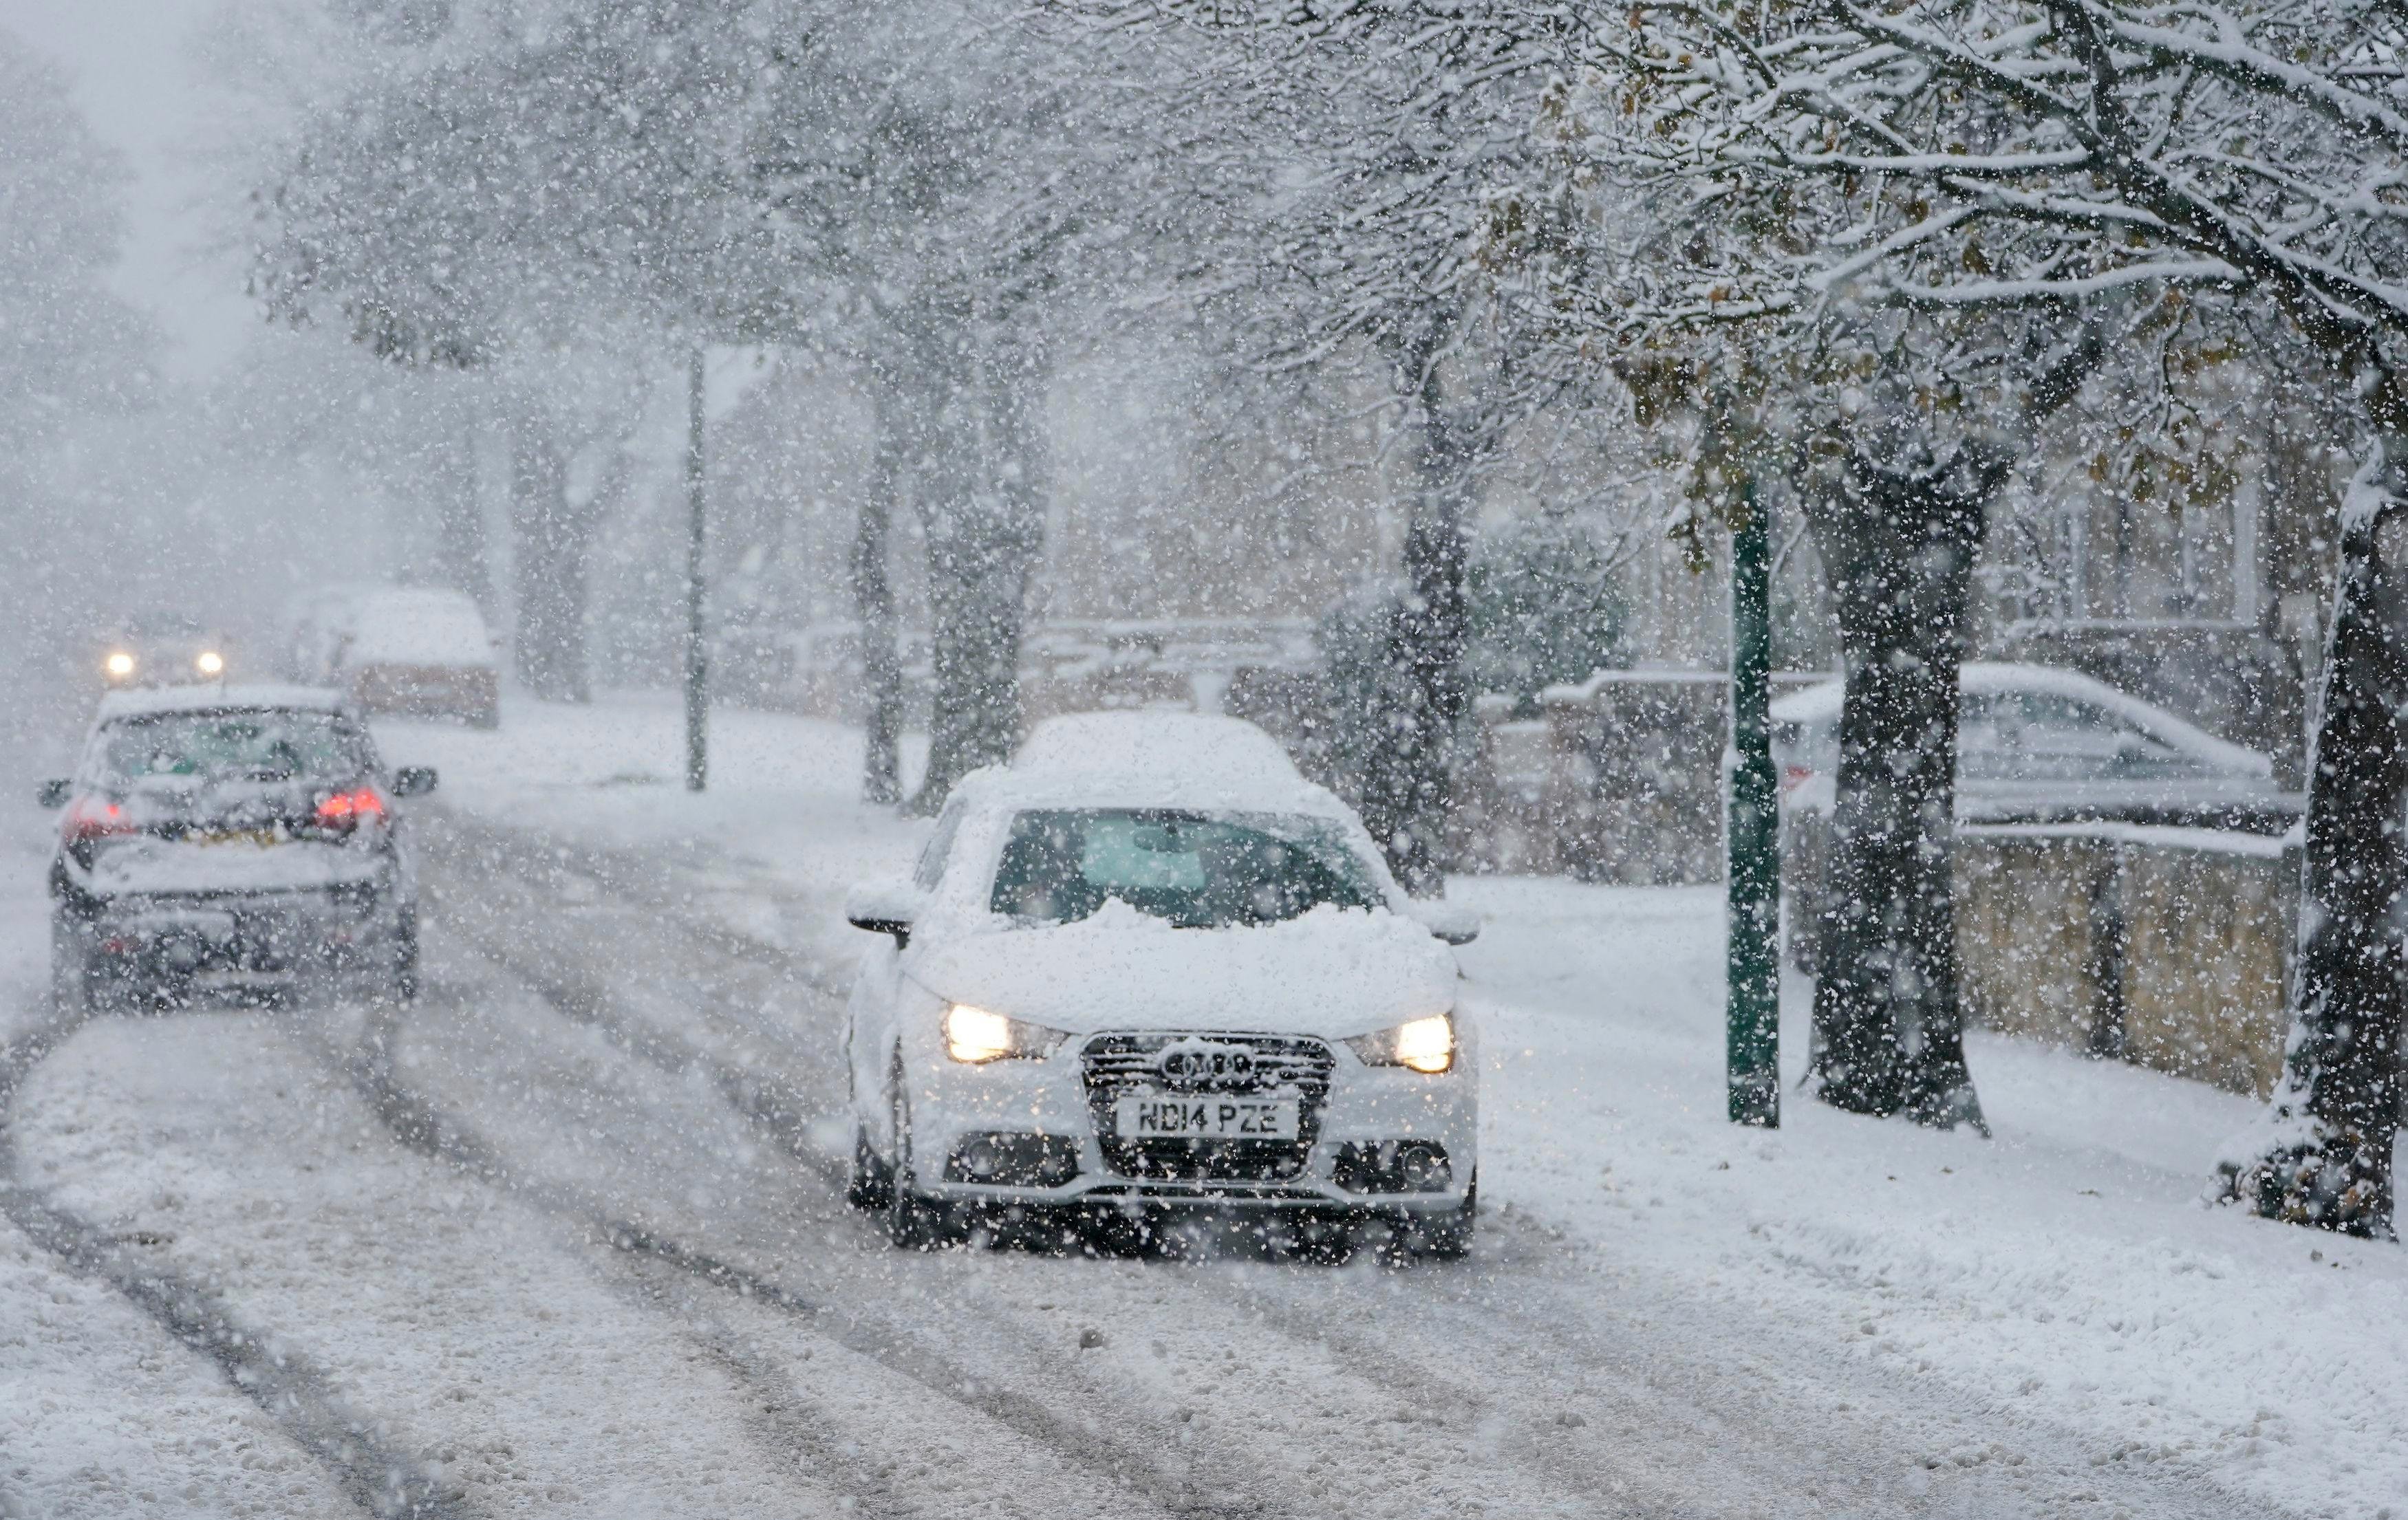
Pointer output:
x,y
974,1036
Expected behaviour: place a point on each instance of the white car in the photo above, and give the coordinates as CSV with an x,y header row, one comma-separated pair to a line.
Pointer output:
x,y
1148,968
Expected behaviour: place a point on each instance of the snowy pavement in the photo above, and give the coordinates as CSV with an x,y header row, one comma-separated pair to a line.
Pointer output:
x,y
566,1237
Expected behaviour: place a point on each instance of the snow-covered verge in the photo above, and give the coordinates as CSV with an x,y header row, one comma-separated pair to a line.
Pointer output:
x,y
2063,1271
28,835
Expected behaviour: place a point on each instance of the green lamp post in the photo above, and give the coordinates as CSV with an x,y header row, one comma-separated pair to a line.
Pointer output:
x,y
1752,832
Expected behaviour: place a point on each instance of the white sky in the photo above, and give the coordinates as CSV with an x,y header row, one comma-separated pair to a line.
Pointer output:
x,y
134,75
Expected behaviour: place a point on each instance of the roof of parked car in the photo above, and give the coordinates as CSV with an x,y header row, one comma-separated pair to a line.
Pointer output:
x,y
1988,677
256,697
418,625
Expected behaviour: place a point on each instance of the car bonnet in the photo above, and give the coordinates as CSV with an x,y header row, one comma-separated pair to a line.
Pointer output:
x,y
1332,972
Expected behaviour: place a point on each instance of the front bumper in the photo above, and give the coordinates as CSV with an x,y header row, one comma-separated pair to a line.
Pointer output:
x,y
1367,1145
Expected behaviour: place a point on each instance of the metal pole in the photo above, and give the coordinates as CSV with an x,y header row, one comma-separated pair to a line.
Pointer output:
x,y
1754,873
698,657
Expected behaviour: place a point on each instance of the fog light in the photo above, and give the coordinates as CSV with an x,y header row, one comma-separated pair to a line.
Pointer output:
x,y
1393,1166
1422,1168
1013,1160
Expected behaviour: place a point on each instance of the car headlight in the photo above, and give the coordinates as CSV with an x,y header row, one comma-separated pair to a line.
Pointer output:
x,y
120,664
974,1036
1425,1045
210,663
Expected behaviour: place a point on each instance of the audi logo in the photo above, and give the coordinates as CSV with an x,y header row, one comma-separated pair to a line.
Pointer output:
x,y
1192,1063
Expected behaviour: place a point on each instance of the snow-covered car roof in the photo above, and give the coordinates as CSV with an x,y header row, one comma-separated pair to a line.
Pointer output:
x,y
258,697
418,626
1145,759
1821,704
1150,759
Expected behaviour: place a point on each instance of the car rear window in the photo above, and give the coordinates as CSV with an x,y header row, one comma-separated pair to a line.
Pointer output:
x,y
1197,870
272,745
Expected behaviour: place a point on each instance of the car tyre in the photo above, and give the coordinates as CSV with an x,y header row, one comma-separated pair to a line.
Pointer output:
x,y
872,1186
71,989
1446,1237
914,1222
404,958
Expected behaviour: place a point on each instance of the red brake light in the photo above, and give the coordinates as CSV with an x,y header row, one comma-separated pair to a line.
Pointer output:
x,y
1795,776
91,818
345,809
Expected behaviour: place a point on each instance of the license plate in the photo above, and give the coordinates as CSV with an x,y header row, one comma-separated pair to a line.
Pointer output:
x,y
1207,1116
258,838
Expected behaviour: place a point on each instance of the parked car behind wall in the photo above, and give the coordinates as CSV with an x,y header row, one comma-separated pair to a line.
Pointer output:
x,y
2035,745
419,651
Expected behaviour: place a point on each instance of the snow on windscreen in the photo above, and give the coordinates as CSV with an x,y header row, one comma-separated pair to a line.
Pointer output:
x,y
231,746
419,628
1196,871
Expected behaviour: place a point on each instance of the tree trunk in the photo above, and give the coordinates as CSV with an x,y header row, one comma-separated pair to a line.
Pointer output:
x,y
1898,544
873,600
554,539
1408,785
985,521
459,512
2322,1154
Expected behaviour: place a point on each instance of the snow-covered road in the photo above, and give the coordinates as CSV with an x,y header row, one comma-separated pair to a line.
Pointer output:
x,y
566,1237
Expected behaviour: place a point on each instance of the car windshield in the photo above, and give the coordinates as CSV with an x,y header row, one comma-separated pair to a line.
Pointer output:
x,y
260,746
1198,870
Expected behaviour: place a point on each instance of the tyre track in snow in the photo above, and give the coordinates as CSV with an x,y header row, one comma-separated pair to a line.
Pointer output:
x,y
581,997
420,1123
1696,1393
1439,1396
382,1479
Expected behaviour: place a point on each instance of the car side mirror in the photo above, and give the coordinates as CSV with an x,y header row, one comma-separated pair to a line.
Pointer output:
x,y
1449,922
413,781
54,792
886,908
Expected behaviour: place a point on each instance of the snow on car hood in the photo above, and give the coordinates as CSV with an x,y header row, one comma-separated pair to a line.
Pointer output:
x,y
1331,973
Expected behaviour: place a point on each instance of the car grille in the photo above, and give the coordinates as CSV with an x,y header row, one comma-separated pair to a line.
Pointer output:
x,y
1117,1064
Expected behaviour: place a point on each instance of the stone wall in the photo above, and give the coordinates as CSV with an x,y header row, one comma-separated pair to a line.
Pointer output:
x,y
2166,947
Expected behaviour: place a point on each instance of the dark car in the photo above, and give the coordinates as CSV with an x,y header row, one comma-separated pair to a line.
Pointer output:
x,y
236,838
